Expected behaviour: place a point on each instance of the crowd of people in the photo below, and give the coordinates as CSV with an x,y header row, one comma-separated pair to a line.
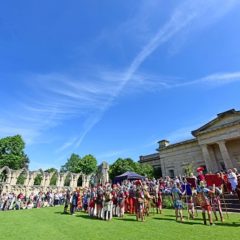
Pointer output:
x,y
12,201
138,197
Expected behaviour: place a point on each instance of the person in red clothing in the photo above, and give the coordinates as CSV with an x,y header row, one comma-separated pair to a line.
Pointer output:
x,y
203,200
114,200
131,200
238,188
126,203
139,204
200,177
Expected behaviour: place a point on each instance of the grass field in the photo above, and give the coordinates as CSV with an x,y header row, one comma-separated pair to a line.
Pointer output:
x,y
50,223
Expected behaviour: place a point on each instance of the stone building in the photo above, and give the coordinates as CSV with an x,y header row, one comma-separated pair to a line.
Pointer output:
x,y
67,180
216,146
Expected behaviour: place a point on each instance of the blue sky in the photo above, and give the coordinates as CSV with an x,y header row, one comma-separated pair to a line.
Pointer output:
x,y
113,77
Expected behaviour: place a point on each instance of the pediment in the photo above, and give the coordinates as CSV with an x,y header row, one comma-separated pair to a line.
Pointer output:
x,y
224,119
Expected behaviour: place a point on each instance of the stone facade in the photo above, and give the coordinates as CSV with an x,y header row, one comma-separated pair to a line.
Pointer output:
x,y
216,145
102,176
9,183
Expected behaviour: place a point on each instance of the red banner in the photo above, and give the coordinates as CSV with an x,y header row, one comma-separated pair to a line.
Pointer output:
x,y
213,179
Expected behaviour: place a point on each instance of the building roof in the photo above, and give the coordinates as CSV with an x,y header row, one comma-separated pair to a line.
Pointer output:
x,y
218,122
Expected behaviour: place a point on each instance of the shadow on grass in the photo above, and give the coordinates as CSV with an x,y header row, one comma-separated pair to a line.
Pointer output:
x,y
126,219
191,223
233,224
174,220
88,217
61,213
168,215
164,218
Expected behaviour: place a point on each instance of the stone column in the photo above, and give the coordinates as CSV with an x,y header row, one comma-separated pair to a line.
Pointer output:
x,y
84,180
47,178
214,163
225,155
61,179
88,177
32,176
58,183
71,181
163,168
206,157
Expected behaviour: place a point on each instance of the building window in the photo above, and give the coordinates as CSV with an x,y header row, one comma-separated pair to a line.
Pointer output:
x,y
171,173
222,166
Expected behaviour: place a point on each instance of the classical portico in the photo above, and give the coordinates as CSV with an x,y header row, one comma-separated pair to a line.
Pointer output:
x,y
220,141
216,145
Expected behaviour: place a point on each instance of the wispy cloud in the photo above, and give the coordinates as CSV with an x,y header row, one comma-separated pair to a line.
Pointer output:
x,y
50,99
183,17
154,83
217,79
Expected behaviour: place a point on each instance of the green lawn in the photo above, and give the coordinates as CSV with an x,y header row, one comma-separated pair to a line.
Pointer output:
x,y
50,223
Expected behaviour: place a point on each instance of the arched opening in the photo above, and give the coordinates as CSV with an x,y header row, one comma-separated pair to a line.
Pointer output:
x,y
67,180
3,176
80,181
53,181
22,177
38,179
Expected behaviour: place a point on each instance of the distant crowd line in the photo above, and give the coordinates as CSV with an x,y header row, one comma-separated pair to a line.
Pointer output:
x,y
138,197
12,201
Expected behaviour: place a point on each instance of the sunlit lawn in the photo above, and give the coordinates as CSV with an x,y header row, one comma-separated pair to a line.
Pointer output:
x,y
50,223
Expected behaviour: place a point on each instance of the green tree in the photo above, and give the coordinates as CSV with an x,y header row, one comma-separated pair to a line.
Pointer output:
x,y
21,178
88,164
120,166
53,180
38,179
72,164
188,169
51,170
76,164
144,169
12,153
123,165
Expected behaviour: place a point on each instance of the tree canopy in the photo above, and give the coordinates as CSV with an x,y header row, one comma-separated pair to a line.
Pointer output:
x,y
12,153
76,164
72,164
127,164
54,177
88,164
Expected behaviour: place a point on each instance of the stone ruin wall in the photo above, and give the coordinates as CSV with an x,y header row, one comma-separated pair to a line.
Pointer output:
x,y
10,183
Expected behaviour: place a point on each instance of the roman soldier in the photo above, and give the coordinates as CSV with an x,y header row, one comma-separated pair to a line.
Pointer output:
x,y
131,199
120,201
157,198
114,200
107,199
139,203
215,202
204,202
126,202
99,201
147,198
92,201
